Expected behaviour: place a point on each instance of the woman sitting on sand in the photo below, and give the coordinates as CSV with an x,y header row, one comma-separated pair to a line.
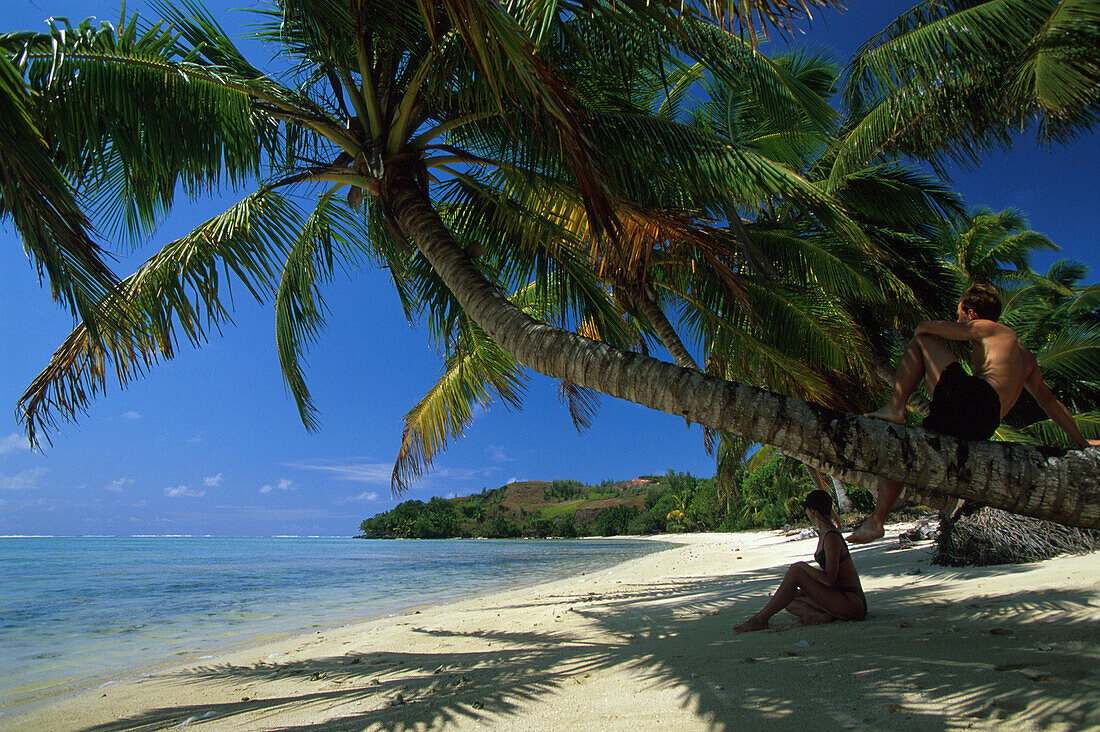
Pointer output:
x,y
817,595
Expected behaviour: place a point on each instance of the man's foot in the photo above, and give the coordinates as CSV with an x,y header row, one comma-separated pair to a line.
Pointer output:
x,y
868,532
816,618
897,416
753,623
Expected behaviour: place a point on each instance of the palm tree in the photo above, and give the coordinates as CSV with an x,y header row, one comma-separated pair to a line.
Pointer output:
x,y
378,86
42,205
782,304
980,243
1058,319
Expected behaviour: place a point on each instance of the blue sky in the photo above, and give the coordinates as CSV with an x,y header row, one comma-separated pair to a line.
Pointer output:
x,y
210,442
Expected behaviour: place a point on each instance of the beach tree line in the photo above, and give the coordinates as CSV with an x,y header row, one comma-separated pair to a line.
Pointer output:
x,y
544,187
767,495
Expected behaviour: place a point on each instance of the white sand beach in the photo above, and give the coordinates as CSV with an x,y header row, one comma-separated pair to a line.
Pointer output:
x,y
647,645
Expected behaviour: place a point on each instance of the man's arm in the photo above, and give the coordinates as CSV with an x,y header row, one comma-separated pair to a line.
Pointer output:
x,y
1055,409
951,330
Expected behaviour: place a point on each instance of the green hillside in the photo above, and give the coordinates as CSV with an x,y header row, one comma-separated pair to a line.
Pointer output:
x,y
526,508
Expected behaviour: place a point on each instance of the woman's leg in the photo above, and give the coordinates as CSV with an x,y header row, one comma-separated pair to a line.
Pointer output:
x,y
808,612
841,604
788,590
836,603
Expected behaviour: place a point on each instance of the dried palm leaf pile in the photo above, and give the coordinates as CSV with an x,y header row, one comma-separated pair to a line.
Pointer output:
x,y
989,536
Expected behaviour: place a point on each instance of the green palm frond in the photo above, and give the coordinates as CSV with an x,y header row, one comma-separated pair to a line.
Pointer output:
x,y
476,374
41,204
583,403
1060,69
953,78
130,157
1073,353
1046,432
329,237
180,289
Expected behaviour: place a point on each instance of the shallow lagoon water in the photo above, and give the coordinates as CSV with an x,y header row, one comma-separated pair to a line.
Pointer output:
x,y
78,611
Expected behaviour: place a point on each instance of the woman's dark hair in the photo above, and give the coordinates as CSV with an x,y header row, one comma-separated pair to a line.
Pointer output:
x,y
982,299
820,502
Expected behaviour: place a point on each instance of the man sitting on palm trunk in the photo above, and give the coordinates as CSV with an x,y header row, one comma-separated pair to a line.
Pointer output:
x,y
963,406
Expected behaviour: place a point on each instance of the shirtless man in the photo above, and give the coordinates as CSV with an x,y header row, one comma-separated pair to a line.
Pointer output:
x,y
964,406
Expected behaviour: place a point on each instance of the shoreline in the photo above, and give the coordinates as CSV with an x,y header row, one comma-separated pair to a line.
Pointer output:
x,y
48,692
647,643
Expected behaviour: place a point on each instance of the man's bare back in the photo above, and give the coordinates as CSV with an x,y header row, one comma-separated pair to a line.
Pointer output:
x,y
1000,359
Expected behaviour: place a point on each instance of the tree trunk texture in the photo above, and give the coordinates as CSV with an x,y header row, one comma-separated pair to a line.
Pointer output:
x,y
1058,485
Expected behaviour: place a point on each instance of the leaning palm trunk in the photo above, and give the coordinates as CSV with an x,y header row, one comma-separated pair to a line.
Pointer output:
x,y
1055,485
676,348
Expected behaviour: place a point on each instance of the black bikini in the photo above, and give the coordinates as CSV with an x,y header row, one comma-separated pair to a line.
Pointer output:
x,y
820,558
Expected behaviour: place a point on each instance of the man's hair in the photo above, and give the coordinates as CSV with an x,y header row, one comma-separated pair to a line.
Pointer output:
x,y
983,300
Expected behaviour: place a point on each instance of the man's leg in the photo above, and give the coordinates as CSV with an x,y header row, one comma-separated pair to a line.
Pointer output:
x,y
872,527
924,358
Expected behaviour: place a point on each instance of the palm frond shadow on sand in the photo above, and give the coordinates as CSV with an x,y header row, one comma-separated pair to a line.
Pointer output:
x,y
916,663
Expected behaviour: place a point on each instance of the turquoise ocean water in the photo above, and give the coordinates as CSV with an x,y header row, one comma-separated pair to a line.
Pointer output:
x,y
76,612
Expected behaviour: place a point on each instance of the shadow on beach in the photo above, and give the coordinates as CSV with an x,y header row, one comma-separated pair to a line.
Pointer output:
x,y
916,662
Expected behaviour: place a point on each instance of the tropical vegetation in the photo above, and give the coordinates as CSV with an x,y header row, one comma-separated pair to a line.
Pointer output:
x,y
768,497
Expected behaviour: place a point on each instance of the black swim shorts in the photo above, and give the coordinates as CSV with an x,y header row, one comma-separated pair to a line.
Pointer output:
x,y
963,406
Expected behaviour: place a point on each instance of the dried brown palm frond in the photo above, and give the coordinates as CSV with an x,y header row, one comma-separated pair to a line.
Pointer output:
x,y
991,536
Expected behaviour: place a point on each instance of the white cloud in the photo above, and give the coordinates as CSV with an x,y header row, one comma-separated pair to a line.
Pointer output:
x,y
377,473
117,486
366,496
13,442
183,491
282,484
212,481
496,454
131,415
197,437
452,494
25,481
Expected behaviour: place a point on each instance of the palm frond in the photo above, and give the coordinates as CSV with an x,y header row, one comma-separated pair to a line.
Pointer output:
x,y
178,288
332,234
43,207
475,375
583,403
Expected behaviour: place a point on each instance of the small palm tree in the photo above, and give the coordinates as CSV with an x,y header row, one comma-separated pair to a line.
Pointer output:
x,y
1058,319
980,244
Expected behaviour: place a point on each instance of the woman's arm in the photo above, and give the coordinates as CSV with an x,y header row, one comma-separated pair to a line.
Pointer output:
x,y
812,571
833,544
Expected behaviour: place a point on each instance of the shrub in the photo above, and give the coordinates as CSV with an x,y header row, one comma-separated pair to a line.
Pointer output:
x,y
539,527
564,489
499,527
614,520
862,499
655,494
649,522
566,525
773,516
